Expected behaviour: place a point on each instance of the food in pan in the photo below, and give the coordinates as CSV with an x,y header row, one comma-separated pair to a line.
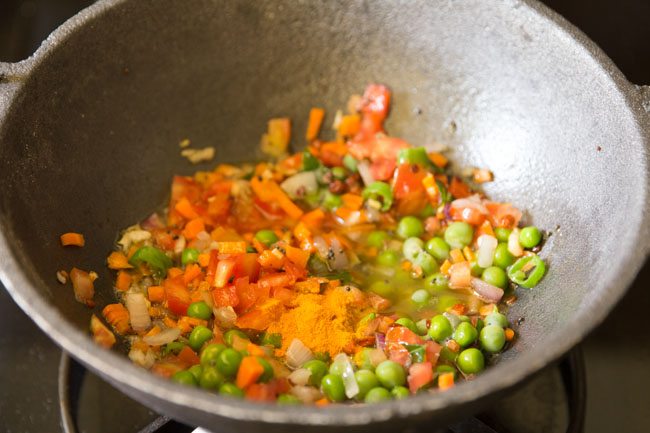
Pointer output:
x,y
359,269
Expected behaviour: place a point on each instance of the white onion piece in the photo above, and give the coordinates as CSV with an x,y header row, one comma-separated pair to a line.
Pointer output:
x,y
376,356
513,244
179,246
163,337
143,359
486,246
298,353
300,184
487,292
321,246
203,241
306,394
472,202
340,260
351,385
364,172
207,298
225,316
300,376
133,235
136,303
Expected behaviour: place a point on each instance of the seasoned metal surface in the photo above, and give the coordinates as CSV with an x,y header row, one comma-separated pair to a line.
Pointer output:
x,y
91,125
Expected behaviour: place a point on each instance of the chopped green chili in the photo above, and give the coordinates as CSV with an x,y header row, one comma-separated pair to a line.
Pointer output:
x,y
156,259
379,190
536,268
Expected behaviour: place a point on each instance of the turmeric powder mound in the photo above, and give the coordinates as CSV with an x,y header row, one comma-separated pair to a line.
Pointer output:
x,y
324,323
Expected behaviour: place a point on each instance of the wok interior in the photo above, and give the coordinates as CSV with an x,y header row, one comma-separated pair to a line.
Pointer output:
x,y
91,143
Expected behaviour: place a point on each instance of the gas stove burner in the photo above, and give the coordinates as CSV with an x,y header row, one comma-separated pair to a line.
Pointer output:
x,y
553,401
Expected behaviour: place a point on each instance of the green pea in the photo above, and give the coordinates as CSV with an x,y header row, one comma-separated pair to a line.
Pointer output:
x,y
200,310
350,163
400,392
189,255
196,371
390,374
412,247
231,390
366,380
333,388
231,333
427,263
410,324
377,238
318,370
440,328
339,173
502,256
421,296
465,334
199,335
496,318
211,378
475,269
471,361
492,338
502,234
422,327
436,283
496,276
266,236
388,258
382,288
332,201
459,234
438,248
228,361
409,226
530,237
268,370
274,340
377,394
184,377
288,399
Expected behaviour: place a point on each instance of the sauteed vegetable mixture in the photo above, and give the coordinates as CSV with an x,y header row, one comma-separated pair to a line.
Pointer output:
x,y
356,270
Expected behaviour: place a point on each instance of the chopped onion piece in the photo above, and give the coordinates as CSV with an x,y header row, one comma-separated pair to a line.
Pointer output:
x,y
152,222
133,235
225,316
306,394
82,284
136,303
300,184
300,376
487,292
203,241
298,353
513,244
340,260
486,246
460,275
380,341
141,358
376,356
364,172
179,246
163,337
321,246
349,381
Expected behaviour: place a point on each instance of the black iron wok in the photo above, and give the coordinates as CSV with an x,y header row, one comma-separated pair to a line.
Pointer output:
x,y
89,128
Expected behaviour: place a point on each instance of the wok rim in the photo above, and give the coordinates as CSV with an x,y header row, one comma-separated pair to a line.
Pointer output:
x,y
134,380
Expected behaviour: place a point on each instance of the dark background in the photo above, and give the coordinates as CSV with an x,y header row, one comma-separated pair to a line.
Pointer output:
x,y
617,354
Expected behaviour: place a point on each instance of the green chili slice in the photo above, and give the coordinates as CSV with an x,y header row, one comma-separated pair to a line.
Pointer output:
x,y
413,155
379,190
527,271
417,352
309,161
156,259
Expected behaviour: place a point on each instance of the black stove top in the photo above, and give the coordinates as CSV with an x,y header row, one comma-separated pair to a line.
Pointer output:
x,y
42,390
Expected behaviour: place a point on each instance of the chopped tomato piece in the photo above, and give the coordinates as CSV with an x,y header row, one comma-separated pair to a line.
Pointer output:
x,y
178,297
420,375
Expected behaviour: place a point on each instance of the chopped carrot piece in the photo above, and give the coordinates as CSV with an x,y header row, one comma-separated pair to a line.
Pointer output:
x,y
350,125
193,228
276,140
297,256
482,175
445,381
313,218
237,247
322,402
316,116
487,309
431,188
460,275
301,232
72,239
453,346
191,272
456,256
510,334
271,259
311,285
117,316
174,272
469,254
352,201
123,281
444,268
153,331
270,191
459,189
438,159
117,260
485,229
188,357
406,265
250,370
204,259
255,350
101,334
169,322
185,208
